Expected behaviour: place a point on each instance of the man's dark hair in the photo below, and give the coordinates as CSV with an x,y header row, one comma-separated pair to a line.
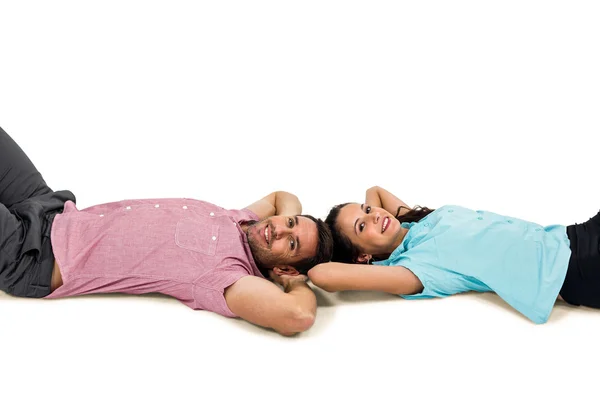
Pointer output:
x,y
343,249
324,247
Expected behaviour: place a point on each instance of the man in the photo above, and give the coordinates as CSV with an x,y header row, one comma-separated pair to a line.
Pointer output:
x,y
206,256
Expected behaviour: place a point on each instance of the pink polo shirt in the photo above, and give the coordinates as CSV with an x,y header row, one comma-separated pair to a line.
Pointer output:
x,y
188,249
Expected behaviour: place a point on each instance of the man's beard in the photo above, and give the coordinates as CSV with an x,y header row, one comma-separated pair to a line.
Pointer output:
x,y
262,257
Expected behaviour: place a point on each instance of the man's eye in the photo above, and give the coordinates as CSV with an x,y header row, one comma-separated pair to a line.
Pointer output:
x,y
368,209
292,244
361,227
290,222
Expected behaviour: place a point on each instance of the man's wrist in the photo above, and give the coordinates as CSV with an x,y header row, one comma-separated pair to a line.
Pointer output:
x,y
291,284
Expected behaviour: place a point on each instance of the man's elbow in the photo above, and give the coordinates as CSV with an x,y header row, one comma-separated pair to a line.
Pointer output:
x,y
298,321
285,193
302,320
283,196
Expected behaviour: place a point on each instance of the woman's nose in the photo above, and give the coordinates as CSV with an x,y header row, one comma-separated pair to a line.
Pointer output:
x,y
376,217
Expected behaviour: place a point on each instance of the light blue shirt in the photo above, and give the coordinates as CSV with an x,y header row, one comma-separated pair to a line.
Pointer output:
x,y
455,250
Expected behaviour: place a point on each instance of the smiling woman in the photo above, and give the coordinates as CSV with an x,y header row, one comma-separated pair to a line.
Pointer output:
x,y
452,249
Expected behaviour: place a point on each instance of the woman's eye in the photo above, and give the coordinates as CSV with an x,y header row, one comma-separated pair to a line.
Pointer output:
x,y
292,244
290,222
368,209
361,227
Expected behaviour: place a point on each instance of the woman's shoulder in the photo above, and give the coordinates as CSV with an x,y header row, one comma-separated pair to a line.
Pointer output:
x,y
448,207
445,210
447,216
453,210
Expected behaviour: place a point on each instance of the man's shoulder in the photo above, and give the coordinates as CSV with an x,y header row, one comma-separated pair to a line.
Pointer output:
x,y
225,274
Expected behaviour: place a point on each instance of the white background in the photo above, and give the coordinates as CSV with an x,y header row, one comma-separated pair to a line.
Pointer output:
x,y
489,105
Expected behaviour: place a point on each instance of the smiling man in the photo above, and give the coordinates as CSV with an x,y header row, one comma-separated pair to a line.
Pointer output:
x,y
208,257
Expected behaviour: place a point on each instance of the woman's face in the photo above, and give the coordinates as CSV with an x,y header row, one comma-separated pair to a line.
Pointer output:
x,y
372,229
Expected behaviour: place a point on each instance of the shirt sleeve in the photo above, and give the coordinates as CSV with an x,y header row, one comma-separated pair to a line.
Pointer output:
x,y
437,282
209,292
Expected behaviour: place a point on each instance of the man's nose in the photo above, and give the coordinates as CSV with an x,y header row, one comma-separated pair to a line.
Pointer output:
x,y
282,231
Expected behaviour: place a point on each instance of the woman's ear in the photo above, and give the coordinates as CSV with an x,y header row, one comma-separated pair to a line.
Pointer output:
x,y
285,270
364,258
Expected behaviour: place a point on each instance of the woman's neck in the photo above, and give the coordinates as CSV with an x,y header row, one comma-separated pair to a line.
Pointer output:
x,y
397,242
399,238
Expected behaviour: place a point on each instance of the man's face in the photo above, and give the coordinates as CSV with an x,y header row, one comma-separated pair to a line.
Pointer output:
x,y
282,240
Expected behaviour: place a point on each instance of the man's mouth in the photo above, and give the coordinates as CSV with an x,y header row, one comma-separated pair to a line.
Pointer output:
x,y
386,223
267,235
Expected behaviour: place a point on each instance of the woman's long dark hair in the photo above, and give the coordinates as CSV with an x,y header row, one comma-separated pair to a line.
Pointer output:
x,y
343,249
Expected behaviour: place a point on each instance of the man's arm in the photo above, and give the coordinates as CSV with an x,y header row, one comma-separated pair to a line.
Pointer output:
x,y
379,197
261,302
276,203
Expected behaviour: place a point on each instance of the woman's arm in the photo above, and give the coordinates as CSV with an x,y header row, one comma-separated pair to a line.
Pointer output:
x,y
334,277
379,197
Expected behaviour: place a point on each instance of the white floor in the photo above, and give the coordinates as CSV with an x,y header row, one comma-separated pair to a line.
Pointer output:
x,y
483,104
362,345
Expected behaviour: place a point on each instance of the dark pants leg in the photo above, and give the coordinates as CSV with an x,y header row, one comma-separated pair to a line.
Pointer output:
x,y
582,283
19,179
27,209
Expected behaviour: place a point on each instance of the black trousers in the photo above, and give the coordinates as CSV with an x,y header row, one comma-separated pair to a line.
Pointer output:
x,y
582,283
27,209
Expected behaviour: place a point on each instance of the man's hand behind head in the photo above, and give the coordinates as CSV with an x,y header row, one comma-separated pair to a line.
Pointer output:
x,y
286,276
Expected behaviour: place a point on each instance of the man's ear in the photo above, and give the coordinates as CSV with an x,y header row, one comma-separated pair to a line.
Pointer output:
x,y
285,270
364,258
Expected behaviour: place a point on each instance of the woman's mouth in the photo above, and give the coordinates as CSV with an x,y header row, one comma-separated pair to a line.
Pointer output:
x,y
386,223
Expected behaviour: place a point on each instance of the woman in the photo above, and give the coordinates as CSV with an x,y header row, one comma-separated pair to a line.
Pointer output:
x,y
437,253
